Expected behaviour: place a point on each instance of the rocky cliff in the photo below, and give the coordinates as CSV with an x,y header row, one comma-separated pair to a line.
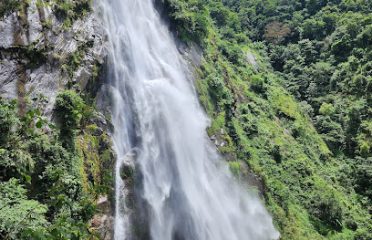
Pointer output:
x,y
47,47
42,52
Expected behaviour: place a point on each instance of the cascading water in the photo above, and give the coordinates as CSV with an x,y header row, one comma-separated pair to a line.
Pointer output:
x,y
187,191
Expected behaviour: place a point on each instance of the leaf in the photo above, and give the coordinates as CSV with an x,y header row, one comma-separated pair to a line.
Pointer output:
x,y
39,124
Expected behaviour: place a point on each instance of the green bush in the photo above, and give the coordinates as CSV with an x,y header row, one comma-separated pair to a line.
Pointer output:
x,y
69,112
44,190
326,109
20,218
15,161
7,6
8,120
362,176
258,84
189,17
68,108
235,168
327,209
70,10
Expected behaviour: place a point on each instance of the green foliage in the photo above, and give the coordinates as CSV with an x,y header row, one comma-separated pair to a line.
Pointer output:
x,y
69,111
190,18
363,176
74,60
45,189
69,107
70,10
325,61
315,186
8,120
326,208
94,147
326,109
7,6
235,167
317,180
15,161
19,217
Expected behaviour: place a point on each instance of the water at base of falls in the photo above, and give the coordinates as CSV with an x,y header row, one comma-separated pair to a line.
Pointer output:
x,y
181,188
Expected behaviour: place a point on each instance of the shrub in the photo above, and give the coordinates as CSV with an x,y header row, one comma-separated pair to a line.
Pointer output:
x,y
189,17
8,120
235,167
326,109
68,109
258,84
326,208
7,6
276,32
362,176
69,10
19,218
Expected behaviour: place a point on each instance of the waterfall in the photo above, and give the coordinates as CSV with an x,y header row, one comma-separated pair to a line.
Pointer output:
x,y
183,190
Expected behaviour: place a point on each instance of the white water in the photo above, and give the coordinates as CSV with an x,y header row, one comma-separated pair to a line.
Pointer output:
x,y
187,189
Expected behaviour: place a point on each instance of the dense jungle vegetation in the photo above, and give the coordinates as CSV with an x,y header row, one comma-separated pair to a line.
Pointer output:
x,y
51,174
288,87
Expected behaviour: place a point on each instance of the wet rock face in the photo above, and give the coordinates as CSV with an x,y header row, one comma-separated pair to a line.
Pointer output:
x,y
40,55
103,222
135,207
128,168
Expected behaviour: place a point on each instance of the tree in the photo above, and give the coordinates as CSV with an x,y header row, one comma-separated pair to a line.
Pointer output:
x,y
276,32
19,218
69,111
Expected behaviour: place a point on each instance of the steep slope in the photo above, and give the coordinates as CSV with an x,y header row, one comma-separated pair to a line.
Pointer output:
x,y
170,182
55,153
258,125
324,52
55,150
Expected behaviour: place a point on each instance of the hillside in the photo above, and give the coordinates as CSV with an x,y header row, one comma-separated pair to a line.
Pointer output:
x,y
286,84
312,153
